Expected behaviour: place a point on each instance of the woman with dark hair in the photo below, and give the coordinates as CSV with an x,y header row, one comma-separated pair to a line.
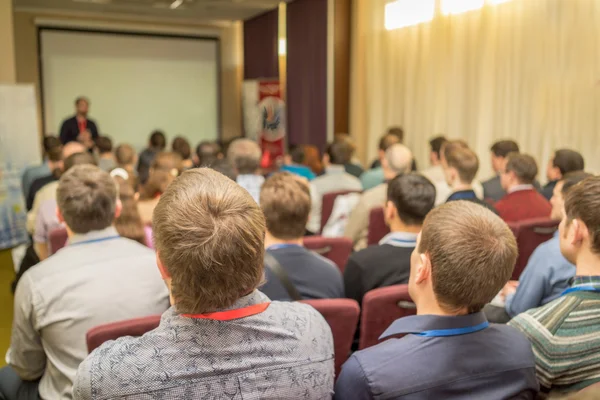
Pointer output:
x,y
182,147
165,168
156,143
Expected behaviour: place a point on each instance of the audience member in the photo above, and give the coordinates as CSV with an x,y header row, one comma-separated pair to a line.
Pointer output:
x,y
293,163
55,162
450,351
435,173
126,159
521,201
221,337
334,179
547,273
182,147
165,168
292,272
52,157
442,189
460,168
395,131
398,159
223,166
207,153
156,144
492,188
244,155
409,198
79,127
562,162
106,158
351,165
129,223
99,277
564,332
46,219
313,159
373,177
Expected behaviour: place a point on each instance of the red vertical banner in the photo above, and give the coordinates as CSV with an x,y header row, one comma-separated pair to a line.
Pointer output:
x,y
272,132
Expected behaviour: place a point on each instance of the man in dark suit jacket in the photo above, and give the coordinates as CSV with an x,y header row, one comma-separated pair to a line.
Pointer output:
x,y
79,128
492,188
562,162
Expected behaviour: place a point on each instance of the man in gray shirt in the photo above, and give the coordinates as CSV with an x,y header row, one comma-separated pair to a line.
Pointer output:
x,y
98,278
222,338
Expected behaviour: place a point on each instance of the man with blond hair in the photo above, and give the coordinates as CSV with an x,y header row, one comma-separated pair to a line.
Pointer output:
x,y
244,155
221,338
285,201
463,256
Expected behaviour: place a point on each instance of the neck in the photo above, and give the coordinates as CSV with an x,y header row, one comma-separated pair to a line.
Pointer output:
x,y
587,264
80,116
271,240
460,186
396,225
433,308
52,165
106,155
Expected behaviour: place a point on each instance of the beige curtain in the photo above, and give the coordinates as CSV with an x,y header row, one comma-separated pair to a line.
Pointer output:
x,y
524,69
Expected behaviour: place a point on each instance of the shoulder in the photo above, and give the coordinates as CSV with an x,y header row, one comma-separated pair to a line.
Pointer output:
x,y
367,256
302,317
547,319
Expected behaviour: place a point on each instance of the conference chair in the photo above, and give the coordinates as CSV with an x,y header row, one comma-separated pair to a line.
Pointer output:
x,y
131,327
335,249
377,226
328,202
530,234
342,317
58,239
381,307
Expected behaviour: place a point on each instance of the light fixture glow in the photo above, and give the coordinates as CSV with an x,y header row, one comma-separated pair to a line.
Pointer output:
x,y
402,13
282,47
460,6
494,2
175,4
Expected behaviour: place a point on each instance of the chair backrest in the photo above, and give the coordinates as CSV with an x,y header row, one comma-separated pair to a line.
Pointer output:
x,y
328,202
530,234
131,327
58,239
342,317
336,249
381,307
377,226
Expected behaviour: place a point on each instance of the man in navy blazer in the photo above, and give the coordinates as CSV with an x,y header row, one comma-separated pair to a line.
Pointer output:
x,y
79,128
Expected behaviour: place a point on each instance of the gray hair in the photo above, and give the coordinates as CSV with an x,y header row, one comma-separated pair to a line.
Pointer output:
x,y
399,158
244,155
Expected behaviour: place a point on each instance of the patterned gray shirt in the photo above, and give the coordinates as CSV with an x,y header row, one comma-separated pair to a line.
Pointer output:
x,y
284,352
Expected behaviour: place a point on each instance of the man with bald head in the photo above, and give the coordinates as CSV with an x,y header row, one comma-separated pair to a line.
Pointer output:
x,y
398,160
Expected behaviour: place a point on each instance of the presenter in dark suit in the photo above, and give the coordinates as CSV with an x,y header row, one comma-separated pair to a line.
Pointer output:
x,y
79,128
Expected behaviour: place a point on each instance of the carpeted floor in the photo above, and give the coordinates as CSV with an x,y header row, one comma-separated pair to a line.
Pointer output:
x,y
7,275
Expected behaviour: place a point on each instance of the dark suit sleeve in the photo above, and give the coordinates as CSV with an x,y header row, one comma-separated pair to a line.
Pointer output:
x,y
353,280
64,132
93,129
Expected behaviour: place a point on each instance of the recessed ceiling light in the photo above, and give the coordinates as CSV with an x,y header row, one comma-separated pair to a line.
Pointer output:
x,y
175,4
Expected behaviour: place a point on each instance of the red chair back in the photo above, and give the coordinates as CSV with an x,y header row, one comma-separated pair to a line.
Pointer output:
x,y
131,327
380,308
328,202
342,317
336,249
58,239
530,234
377,226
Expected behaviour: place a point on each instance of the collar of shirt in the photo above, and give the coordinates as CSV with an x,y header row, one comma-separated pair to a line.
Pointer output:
x,y
256,297
335,169
463,195
587,280
519,188
421,323
94,235
400,239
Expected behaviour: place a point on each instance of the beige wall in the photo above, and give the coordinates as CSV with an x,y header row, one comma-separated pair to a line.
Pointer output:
x,y
7,54
27,65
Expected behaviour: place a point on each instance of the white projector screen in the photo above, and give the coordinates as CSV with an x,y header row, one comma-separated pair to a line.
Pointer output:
x,y
135,83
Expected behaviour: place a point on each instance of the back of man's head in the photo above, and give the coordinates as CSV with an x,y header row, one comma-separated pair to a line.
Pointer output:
x,y
207,153
49,142
340,153
78,159
125,154
158,141
387,140
451,145
297,154
72,148
398,159
244,154
413,196
466,163
104,144
472,254
573,178
582,203
436,144
182,147
503,148
524,167
396,131
568,161
285,201
209,235
86,198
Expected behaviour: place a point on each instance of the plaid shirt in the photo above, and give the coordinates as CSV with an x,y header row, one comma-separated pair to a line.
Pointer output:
x,y
284,352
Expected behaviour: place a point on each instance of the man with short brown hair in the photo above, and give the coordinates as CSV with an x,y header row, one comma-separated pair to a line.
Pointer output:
x,y
464,255
562,162
285,201
98,278
244,155
521,201
492,188
222,337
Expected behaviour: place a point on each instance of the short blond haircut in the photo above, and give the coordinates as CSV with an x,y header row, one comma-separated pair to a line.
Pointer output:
x,y
285,201
209,234
466,163
472,252
524,167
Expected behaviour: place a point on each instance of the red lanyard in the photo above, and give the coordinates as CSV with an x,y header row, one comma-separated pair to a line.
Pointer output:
x,y
231,314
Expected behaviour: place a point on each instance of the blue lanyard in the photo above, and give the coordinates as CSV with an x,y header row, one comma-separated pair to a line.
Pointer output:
x,y
454,332
95,240
587,288
282,246
466,195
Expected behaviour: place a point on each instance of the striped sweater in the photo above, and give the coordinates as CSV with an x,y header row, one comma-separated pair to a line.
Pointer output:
x,y
565,336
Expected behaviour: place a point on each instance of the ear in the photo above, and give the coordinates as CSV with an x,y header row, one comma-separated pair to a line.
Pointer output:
x,y
60,216
161,268
326,158
136,196
118,208
389,211
580,232
423,269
